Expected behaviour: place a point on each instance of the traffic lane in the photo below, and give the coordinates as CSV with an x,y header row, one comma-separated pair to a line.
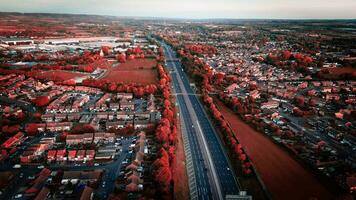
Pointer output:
x,y
202,180
225,175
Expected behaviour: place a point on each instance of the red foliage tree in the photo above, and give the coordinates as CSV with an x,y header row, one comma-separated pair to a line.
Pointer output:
x,y
106,50
131,57
300,100
83,128
69,82
162,172
121,57
41,100
219,78
10,129
286,55
31,129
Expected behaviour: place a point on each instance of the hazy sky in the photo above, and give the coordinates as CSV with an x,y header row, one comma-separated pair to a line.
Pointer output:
x,y
191,8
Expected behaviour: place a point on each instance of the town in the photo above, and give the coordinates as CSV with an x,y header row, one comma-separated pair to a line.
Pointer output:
x,y
98,107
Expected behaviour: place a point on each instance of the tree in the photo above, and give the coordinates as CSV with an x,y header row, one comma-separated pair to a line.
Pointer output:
x,y
208,99
88,68
131,57
41,101
173,135
121,57
83,128
162,133
219,78
162,171
31,129
10,129
112,87
139,91
242,157
167,103
168,113
286,55
297,112
300,100
106,49
69,82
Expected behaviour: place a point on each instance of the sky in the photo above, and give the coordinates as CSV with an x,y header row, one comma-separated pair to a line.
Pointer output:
x,y
197,9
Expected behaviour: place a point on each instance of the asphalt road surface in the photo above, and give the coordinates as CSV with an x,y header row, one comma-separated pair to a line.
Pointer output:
x,y
214,179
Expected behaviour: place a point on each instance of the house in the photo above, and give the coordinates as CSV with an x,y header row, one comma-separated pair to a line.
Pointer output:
x,y
51,155
91,176
231,88
80,155
122,115
41,127
103,99
104,156
89,154
47,117
60,117
73,116
126,105
14,140
142,115
102,115
332,97
141,123
13,41
270,104
111,115
126,96
255,94
61,155
59,126
107,149
114,106
71,155
86,138
104,137
118,124
70,176
27,156
33,152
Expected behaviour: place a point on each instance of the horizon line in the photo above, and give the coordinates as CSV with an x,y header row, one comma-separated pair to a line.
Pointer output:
x,y
181,18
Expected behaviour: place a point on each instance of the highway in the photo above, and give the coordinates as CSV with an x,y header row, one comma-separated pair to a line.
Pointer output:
x,y
213,177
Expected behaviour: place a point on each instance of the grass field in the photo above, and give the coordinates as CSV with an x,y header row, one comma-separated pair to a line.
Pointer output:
x,y
58,75
139,71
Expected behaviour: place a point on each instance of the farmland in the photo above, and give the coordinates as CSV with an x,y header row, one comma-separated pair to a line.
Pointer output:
x,y
274,165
